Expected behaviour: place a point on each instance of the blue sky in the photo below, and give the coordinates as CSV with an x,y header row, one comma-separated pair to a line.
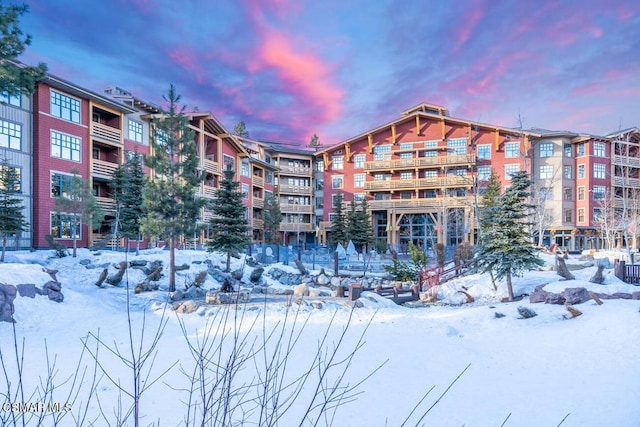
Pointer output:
x,y
292,68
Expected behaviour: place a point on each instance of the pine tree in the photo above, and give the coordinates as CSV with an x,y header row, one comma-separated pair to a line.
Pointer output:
x,y
272,217
359,228
127,186
170,194
14,78
81,205
507,249
240,129
12,220
338,222
229,220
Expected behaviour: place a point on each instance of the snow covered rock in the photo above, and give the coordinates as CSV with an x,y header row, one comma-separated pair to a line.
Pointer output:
x,y
7,295
301,290
576,295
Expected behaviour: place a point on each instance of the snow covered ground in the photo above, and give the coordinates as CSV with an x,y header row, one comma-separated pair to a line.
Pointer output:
x,y
544,371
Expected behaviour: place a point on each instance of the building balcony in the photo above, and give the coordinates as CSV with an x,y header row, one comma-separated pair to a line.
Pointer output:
x,y
102,169
325,225
295,208
257,181
293,189
420,162
296,227
421,183
625,161
295,171
210,166
257,202
106,133
618,181
439,202
257,224
209,192
107,204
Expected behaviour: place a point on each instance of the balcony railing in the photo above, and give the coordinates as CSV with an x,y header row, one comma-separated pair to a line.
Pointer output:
x,y
211,166
209,192
107,133
295,227
102,169
420,162
294,189
294,208
619,181
325,225
258,224
107,204
257,181
626,161
408,184
420,203
297,171
257,202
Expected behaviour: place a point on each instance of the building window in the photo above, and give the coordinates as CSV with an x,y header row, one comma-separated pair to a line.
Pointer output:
x,y
581,215
337,163
65,146
581,171
406,175
358,197
431,144
244,168
245,191
334,199
597,214
382,152
358,180
268,177
568,172
337,181
580,193
484,152
65,107
598,170
381,177
10,135
17,173
546,149
580,149
61,185
567,193
598,149
568,215
546,193
135,131
228,160
546,172
14,100
62,226
406,194
431,173
511,150
358,161
484,172
509,170
430,194
567,150
457,145
598,192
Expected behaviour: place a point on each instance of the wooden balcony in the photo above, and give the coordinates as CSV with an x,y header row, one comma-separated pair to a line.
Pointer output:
x,y
102,169
625,161
107,204
295,208
106,133
211,166
257,202
293,189
433,203
325,225
209,192
257,181
618,181
421,183
296,171
257,224
420,162
294,227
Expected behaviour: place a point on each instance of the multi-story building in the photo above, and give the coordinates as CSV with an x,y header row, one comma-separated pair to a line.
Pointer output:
x,y
16,151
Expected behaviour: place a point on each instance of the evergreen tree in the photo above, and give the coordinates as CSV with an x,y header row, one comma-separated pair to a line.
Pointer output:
x,y
12,220
127,186
359,228
229,220
410,270
314,142
170,194
240,129
81,205
338,222
15,79
507,249
272,218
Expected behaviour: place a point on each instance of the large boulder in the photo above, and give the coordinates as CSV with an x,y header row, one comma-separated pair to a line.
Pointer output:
x,y
301,290
7,295
323,280
256,274
538,295
575,295
53,290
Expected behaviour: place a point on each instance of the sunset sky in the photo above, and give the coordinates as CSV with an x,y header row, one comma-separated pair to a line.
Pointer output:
x,y
292,68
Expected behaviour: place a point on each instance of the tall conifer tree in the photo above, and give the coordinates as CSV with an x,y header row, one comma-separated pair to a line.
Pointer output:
x,y
229,221
12,220
170,196
127,186
338,222
272,218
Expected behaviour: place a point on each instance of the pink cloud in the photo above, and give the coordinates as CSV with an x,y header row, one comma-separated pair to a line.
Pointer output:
x,y
188,61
